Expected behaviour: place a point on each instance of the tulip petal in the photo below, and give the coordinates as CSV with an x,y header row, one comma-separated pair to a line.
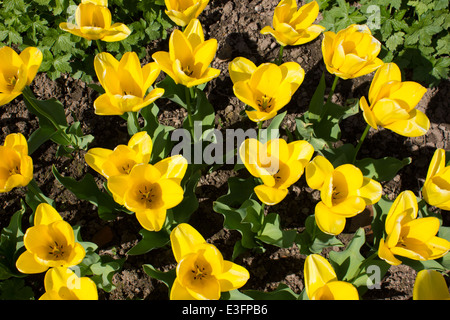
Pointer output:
x,y
185,240
367,113
117,32
386,73
241,69
336,290
152,219
178,292
46,214
96,157
417,125
328,221
32,58
385,253
317,272
269,195
173,168
370,191
233,276
317,171
430,285
26,263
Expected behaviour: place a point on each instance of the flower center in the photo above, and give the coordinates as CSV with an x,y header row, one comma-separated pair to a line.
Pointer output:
x,y
337,194
56,250
198,273
147,194
265,103
188,71
127,166
14,170
11,82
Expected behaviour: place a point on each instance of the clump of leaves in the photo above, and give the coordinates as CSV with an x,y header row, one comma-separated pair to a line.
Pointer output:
x,y
35,23
414,33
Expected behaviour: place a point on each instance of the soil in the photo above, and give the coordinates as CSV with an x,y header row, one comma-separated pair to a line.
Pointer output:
x,y
236,25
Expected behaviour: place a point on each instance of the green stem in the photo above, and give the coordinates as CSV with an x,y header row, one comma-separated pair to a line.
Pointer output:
x,y
135,118
280,56
330,95
365,263
263,206
259,129
188,92
99,46
361,140
29,97
34,189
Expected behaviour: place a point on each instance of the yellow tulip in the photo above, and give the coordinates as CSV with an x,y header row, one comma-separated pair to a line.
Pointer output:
x,y
430,285
125,83
93,22
294,26
266,88
17,71
123,158
149,190
321,282
202,273
16,166
277,163
49,243
344,193
393,102
436,190
181,12
408,236
352,52
189,56
62,283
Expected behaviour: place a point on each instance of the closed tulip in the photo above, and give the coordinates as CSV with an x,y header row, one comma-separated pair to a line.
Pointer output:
x,y
93,22
266,88
344,193
409,236
279,165
126,84
17,71
436,190
61,283
321,282
201,273
393,102
16,166
181,12
150,190
49,243
352,52
430,285
189,56
294,26
123,158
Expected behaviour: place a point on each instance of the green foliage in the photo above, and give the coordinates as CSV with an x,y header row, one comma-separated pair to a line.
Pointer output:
x,y
25,23
414,33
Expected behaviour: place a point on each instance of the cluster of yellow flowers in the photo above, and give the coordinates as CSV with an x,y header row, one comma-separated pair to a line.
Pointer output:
x,y
149,190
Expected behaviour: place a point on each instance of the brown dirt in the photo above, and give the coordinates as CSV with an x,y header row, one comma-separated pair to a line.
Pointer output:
x,y
236,25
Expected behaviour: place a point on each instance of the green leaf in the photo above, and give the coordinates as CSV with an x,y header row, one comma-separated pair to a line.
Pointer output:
x,y
150,240
272,233
384,169
282,292
273,129
167,277
15,289
104,270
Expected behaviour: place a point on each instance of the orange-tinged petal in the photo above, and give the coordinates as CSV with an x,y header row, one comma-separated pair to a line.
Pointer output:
x,y
185,240
430,285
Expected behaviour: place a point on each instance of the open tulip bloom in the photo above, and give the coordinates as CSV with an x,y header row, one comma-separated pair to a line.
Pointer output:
x,y
181,12
93,22
321,282
61,283
266,88
352,52
430,285
149,190
17,71
277,163
409,236
393,102
344,193
189,56
16,166
123,158
202,273
49,243
126,84
292,26
436,190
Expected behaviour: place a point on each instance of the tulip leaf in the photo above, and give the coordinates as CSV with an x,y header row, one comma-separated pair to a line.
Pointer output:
x,y
317,101
234,295
341,155
380,211
15,289
86,189
104,270
282,292
384,169
150,240
272,233
273,129
172,91
167,277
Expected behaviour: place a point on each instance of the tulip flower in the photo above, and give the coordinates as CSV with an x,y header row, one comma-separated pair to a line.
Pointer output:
x,y
344,193
125,83
321,282
430,285
294,26
352,52
277,163
408,236
181,12
16,166
202,273
436,190
266,88
62,283
189,56
17,71
149,190
93,22
393,102
49,243
123,158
